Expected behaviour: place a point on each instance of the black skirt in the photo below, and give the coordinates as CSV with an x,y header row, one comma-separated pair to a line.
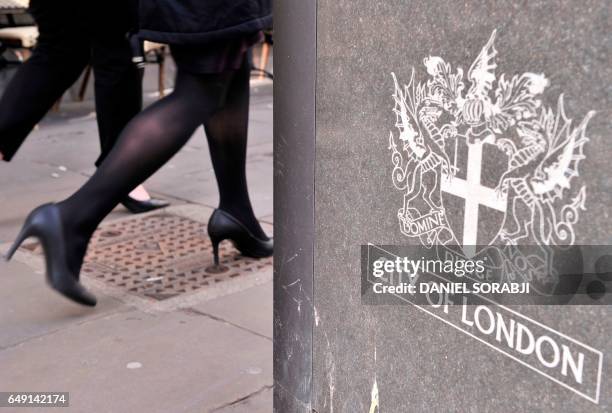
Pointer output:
x,y
216,57
199,22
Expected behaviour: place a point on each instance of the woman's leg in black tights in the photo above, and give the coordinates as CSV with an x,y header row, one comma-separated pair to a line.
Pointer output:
x,y
146,144
226,131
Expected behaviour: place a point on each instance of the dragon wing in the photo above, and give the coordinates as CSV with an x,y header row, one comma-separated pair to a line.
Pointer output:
x,y
406,101
565,151
482,71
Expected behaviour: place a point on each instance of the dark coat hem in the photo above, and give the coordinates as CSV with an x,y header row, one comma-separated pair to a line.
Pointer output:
x,y
247,27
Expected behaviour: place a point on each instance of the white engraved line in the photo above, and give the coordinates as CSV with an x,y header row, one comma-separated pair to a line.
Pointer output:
x,y
598,352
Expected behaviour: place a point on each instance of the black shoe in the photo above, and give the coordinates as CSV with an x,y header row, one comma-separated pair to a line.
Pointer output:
x,y
137,207
222,225
45,224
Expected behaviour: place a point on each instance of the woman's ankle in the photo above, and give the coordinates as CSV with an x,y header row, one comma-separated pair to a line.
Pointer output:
x,y
246,216
140,194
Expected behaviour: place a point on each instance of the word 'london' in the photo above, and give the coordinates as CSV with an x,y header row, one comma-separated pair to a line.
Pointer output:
x,y
516,335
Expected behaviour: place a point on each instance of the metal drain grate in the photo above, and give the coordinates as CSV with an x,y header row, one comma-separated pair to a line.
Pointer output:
x,y
161,256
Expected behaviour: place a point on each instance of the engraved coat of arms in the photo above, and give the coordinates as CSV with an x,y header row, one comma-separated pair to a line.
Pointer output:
x,y
486,145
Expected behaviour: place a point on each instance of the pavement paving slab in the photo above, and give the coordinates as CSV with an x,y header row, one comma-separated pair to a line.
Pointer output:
x,y
257,403
30,309
250,309
171,362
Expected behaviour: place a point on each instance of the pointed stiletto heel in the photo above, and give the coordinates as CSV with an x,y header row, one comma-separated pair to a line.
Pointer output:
x,y
222,226
215,245
25,232
45,224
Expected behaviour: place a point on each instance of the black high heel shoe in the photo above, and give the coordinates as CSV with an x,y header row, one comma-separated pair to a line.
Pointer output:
x,y
45,224
222,226
137,207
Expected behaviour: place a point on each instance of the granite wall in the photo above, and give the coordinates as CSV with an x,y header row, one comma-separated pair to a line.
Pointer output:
x,y
405,358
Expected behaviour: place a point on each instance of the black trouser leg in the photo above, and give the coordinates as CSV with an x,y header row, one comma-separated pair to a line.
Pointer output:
x,y
36,86
118,88
56,63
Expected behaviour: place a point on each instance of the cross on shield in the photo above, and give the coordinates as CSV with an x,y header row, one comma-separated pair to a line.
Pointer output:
x,y
474,209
